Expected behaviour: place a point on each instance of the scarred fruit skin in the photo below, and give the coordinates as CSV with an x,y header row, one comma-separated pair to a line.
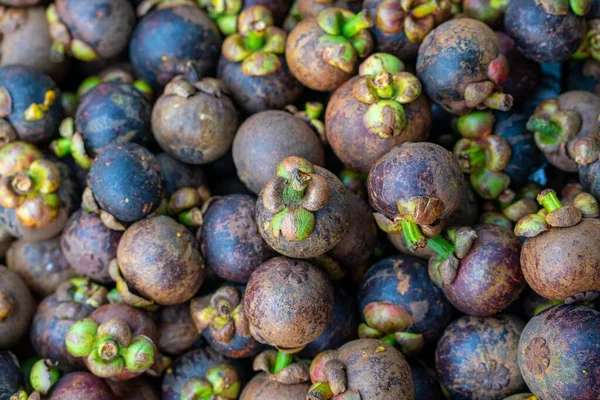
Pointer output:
x,y
489,277
11,379
81,385
559,353
477,357
18,306
541,36
166,39
266,138
230,240
353,143
159,259
312,8
179,175
288,302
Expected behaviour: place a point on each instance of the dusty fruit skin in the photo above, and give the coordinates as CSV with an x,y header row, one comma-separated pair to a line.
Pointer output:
x,y
179,175
16,308
28,42
559,351
477,357
230,240
90,30
176,330
302,211
278,307
88,245
159,259
41,264
171,39
425,381
30,103
489,277
81,385
363,368
126,181
202,368
266,138
349,124
400,305
462,67
323,51
312,8
194,122
12,378
541,36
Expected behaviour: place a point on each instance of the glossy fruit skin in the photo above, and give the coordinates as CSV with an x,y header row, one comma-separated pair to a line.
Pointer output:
x,y
41,264
105,25
88,245
259,93
113,111
11,378
403,281
15,324
312,8
490,370
179,175
427,386
559,352
127,181
525,75
230,240
540,36
160,259
266,138
353,143
79,386
165,39
27,86
264,386
288,302
563,262
489,277
176,330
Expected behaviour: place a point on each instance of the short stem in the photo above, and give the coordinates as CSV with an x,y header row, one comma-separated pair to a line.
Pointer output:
x,y
320,391
441,246
22,183
108,350
314,110
544,126
61,147
412,233
389,339
255,39
283,360
356,24
475,156
549,200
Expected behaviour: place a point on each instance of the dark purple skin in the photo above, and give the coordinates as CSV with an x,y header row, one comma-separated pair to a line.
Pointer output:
x,y
27,86
312,8
176,330
476,358
525,74
127,181
230,240
589,176
540,36
89,246
11,378
81,386
113,111
559,353
427,386
403,281
259,93
279,8
142,388
341,329
166,39
193,364
179,175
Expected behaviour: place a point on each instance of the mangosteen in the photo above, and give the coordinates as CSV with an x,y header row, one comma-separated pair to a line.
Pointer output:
x,y
323,51
81,385
176,330
477,358
226,13
279,8
16,308
303,211
426,383
11,379
30,105
363,369
194,122
525,75
312,8
488,11
462,66
230,238
141,388
91,30
40,264
179,175
400,305
399,27
6,241
371,113
173,38
266,138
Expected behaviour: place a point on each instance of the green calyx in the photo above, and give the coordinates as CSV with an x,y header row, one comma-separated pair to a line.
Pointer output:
x,y
37,111
416,18
346,37
590,47
319,391
224,13
221,313
259,45
186,206
443,266
85,291
282,361
552,126
563,7
72,143
221,382
43,376
64,43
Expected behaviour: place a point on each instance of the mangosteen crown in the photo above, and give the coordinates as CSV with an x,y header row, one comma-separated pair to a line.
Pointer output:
x,y
553,127
415,17
328,374
289,375
220,382
224,13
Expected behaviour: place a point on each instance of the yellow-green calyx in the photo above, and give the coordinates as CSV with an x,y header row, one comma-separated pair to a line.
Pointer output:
x,y
346,37
123,292
293,197
388,322
483,155
590,47
186,205
511,206
62,41
32,193
553,127
385,86
488,94
110,348
224,13
44,374
415,17
258,45
72,143
563,7
37,111
82,290
221,382
222,313
328,375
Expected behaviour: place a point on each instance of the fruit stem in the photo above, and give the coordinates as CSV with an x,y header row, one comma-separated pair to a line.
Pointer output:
x,y
356,24
441,246
256,36
549,200
389,339
412,234
544,126
319,391
61,147
108,350
283,360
